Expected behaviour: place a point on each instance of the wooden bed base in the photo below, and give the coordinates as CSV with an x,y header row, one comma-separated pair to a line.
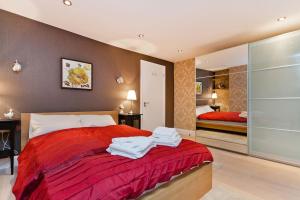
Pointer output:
x,y
223,127
190,186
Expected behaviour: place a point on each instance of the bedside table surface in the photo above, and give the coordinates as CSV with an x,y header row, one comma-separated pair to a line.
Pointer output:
x,y
128,114
9,120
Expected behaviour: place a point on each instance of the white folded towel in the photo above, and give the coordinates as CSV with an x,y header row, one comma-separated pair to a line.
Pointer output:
x,y
164,131
128,140
172,141
167,142
131,155
171,137
131,147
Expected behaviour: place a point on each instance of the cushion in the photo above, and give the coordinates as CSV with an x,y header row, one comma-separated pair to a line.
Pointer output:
x,y
96,120
203,109
42,124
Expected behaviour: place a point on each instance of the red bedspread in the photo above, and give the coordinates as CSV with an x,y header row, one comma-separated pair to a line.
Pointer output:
x,y
73,164
223,116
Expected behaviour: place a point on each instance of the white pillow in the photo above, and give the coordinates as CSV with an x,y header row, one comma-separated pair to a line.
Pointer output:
x,y
203,109
96,120
42,124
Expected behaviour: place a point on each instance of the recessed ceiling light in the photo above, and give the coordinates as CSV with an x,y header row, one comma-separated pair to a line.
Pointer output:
x,y
67,2
141,36
180,51
281,19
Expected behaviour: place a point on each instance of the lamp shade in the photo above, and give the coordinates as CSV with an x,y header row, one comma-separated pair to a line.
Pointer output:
x,y
131,95
214,95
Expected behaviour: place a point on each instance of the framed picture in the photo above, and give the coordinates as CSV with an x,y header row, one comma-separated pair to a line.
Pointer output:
x,y
76,74
199,88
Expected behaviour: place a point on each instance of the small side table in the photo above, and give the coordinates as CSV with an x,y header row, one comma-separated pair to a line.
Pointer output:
x,y
216,108
11,125
133,120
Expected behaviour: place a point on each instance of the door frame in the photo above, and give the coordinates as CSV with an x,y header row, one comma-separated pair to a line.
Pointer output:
x,y
141,94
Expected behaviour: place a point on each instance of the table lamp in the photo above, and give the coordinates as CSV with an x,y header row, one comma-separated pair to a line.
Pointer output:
x,y
214,96
131,96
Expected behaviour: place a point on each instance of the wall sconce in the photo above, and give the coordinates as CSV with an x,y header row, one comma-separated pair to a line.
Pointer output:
x,y
17,67
120,80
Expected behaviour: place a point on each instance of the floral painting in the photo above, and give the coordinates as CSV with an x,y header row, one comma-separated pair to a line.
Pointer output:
x,y
77,74
199,88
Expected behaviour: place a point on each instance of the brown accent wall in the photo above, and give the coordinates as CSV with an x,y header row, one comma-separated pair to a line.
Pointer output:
x,y
207,87
185,97
39,48
238,88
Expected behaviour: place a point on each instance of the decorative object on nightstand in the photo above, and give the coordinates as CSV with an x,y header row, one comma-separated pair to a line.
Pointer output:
x,y
10,125
214,96
216,108
121,108
9,115
133,120
131,96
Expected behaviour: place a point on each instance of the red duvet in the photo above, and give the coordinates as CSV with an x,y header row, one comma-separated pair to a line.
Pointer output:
x,y
223,116
73,164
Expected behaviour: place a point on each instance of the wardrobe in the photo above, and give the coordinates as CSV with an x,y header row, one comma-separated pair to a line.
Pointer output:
x,y
274,98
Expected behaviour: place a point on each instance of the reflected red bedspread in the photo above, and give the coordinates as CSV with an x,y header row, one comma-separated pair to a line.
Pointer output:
x,y
223,116
73,164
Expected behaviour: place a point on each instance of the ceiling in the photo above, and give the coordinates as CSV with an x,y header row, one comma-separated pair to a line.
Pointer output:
x,y
194,26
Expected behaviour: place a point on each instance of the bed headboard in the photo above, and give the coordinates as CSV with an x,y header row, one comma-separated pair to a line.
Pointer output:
x,y
25,120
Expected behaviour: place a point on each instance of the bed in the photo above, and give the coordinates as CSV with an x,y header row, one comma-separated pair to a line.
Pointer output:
x,y
221,121
73,164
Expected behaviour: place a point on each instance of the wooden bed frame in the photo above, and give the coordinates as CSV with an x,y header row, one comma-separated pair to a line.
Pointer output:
x,y
223,127
191,185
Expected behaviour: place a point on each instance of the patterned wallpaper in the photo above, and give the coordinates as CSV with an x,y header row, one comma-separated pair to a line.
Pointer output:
x,y
238,88
223,99
184,94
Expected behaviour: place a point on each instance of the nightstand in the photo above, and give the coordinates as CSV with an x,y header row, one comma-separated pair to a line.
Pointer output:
x,y
216,108
10,125
133,120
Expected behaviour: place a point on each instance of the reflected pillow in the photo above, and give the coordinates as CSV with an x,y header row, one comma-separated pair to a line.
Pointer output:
x,y
203,109
96,120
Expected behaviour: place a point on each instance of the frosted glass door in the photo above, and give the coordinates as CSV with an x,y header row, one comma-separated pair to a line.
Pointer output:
x,y
274,98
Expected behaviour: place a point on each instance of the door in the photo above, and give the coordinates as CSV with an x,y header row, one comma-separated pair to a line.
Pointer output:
x,y
152,93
